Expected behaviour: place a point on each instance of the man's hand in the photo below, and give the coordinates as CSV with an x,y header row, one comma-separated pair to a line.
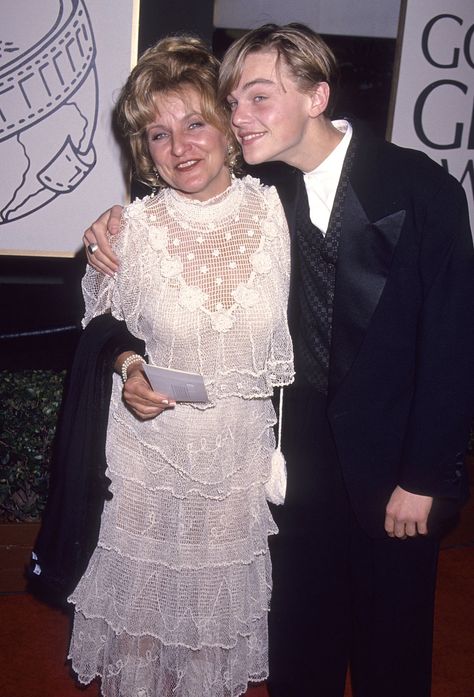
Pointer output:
x,y
406,514
98,250
137,394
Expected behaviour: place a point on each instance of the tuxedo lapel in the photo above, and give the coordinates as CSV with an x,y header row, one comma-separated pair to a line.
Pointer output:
x,y
288,182
365,255
364,258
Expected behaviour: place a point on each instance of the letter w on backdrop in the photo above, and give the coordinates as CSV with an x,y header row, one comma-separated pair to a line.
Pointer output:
x,y
433,92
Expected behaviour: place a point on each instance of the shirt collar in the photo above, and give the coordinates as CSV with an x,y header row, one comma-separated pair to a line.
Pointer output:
x,y
332,164
321,183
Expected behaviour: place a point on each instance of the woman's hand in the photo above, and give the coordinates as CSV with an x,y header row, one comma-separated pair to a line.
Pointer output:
x,y
99,252
137,393
139,397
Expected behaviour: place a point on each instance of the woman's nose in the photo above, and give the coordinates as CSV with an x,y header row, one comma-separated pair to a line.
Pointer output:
x,y
179,144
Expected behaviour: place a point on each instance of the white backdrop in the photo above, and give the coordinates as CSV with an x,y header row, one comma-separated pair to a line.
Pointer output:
x,y
434,98
60,72
61,65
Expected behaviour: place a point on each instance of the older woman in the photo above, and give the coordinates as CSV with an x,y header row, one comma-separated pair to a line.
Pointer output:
x,y
175,597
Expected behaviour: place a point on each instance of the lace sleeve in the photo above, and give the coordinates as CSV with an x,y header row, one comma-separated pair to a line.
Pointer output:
x,y
97,291
280,361
120,295
277,218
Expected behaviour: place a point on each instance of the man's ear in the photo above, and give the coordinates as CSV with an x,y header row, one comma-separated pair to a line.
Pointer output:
x,y
319,98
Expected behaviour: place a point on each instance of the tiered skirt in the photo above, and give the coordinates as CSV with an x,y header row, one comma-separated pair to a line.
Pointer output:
x,y
174,601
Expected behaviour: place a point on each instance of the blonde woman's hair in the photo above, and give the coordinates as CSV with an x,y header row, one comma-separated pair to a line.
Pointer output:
x,y
305,53
172,65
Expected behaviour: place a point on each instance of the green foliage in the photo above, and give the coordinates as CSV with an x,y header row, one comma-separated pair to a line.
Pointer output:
x,y
29,405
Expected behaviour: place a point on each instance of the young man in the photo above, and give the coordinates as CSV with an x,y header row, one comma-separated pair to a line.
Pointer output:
x,y
376,425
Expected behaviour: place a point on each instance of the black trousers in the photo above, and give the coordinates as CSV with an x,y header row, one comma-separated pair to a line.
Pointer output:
x,y
341,598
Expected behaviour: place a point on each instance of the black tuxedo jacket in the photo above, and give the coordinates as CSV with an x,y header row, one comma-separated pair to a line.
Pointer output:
x,y
401,383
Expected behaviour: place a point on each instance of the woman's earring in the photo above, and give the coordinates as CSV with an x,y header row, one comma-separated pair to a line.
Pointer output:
x,y
233,158
230,158
157,184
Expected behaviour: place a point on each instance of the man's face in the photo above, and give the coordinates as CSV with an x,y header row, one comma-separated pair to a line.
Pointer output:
x,y
270,115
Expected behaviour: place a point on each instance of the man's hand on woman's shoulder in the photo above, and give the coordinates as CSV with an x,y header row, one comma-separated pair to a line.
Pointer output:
x,y
99,252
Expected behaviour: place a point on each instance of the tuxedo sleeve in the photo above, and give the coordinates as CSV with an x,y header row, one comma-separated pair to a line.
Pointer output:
x,y
442,406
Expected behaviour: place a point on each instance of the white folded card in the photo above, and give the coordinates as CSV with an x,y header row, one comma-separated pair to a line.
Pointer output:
x,y
177,384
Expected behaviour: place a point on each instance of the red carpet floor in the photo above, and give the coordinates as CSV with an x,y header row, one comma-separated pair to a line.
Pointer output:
x,y
34,638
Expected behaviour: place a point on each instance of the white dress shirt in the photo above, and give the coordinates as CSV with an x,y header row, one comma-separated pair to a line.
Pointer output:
x,y
321,183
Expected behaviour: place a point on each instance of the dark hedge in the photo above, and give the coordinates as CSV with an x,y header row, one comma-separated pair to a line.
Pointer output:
x,y
29,406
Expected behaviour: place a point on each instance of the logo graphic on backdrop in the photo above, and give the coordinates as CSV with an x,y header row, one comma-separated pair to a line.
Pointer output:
x,y
48,104
434,105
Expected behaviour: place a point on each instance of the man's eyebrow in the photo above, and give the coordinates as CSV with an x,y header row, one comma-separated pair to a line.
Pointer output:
x,y
258,81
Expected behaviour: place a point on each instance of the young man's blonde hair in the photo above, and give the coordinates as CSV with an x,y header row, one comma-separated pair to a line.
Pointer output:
x,y
305,53
172,65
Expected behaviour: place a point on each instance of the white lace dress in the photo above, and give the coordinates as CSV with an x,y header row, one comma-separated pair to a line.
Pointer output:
x,y
175,598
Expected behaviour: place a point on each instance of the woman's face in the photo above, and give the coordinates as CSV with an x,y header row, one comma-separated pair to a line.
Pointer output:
x,y
188,152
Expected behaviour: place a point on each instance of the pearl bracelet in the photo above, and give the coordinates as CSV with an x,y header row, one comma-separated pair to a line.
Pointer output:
x,y
134,358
